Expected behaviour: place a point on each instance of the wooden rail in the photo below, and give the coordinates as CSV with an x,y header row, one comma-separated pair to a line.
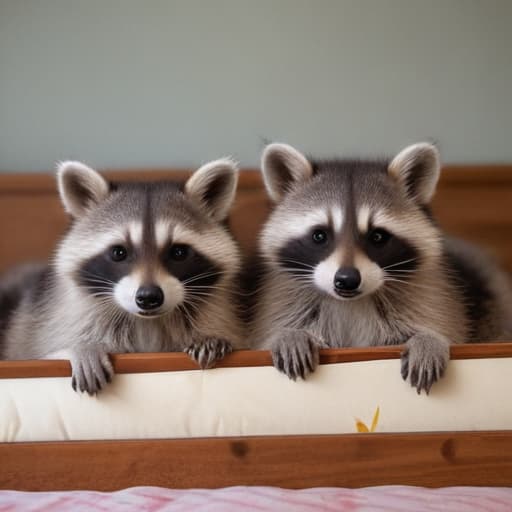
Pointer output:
x,y
176,361
349,460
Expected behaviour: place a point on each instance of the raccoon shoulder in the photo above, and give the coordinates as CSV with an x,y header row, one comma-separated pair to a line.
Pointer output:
x,y
23,283
484,289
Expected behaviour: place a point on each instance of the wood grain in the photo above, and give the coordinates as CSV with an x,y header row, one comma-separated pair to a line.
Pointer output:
x,y
176,361
349,460
249,177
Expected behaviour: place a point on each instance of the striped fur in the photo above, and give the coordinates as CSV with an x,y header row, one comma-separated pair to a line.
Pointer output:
x,y
370,220
125,238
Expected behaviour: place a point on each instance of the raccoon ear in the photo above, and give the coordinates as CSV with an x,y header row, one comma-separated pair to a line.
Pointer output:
x,y
213,187
282,167
80,187
417,168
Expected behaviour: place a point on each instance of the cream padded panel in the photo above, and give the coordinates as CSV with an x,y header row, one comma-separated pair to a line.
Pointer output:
x,y
474,395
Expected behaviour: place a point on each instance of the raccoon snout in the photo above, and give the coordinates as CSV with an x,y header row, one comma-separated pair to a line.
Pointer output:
x,y
149,297
347,280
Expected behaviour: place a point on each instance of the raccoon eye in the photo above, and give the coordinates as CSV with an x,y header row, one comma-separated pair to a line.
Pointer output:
x,y
319,236
118,253
379,236
179,252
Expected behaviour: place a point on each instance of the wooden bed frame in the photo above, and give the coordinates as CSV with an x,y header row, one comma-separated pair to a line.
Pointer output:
x,y
473,202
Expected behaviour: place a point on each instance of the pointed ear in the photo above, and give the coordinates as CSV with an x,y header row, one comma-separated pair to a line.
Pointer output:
x,y
213,187
283,167
80,187
417,169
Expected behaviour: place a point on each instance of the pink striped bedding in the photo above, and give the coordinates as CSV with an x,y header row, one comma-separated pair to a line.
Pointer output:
x,y
156,499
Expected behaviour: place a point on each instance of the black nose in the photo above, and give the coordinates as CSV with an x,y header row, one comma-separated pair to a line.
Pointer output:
x,y
347,279
149,297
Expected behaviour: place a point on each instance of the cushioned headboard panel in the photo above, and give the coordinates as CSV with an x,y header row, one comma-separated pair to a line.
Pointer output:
x,y
340,397
472,201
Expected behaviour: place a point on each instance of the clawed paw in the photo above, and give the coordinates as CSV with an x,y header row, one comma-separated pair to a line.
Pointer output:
x,y
296,354
208,351
424,361
91,371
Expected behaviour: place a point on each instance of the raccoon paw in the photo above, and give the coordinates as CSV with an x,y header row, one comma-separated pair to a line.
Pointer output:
x,y
424,360
208,351
295,353
91,370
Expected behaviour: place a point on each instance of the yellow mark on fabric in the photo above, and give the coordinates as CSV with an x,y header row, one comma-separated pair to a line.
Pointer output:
x,y
361,426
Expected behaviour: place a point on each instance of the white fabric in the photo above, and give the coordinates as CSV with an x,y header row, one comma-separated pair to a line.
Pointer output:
x,y
474,395
395,498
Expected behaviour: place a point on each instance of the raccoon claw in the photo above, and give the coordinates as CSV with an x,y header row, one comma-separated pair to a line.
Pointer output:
x,y
296,354
208,351
424,360
91,371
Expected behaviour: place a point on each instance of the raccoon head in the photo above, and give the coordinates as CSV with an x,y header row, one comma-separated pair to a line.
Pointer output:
x,y
147,248
350,228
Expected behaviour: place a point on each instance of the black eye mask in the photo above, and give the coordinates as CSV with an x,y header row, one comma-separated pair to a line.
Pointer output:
x,y
388,250
307,251
184,263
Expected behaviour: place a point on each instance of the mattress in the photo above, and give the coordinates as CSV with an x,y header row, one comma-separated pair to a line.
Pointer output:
x,y
362,396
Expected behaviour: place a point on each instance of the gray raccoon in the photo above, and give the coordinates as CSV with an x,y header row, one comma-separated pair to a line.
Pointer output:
x,y
351,256
144,267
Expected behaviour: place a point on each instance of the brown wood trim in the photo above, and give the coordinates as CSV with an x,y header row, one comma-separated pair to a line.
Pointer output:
x,y
469,175
29,183
349,460
176,361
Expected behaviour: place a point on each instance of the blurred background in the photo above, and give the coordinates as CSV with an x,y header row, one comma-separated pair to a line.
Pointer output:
x,y
125,83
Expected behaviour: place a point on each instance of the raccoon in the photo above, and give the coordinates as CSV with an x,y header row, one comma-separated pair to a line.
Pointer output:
x,y
144,267
351,256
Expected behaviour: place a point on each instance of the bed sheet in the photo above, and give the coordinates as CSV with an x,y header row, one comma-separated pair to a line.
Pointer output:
x,y
157,499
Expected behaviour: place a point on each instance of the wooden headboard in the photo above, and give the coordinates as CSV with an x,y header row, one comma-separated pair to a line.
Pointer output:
x,y
474,202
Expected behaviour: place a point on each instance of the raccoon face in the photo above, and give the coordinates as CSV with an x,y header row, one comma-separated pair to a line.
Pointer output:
x,y
350,228
148,248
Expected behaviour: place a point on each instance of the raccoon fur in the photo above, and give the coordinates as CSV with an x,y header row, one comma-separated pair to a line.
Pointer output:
x,y
352,257
144,267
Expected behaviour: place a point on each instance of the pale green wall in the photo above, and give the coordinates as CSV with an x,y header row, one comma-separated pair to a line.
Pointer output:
x,y
175,83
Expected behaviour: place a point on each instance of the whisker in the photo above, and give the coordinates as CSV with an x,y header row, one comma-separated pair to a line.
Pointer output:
x,y
301,263
99,278
208,287
399,263
202,276
187,314
306,279
417,285
197,298
198,295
